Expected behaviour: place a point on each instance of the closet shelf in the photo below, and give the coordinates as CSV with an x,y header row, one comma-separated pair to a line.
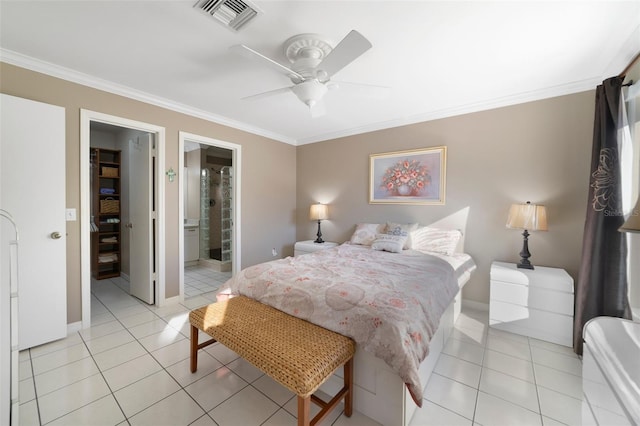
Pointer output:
x,y
106,174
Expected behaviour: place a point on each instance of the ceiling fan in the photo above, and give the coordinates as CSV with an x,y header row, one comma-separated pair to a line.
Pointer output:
x,y
313,63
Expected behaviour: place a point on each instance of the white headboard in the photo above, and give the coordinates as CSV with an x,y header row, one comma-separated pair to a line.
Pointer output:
x,y
457,220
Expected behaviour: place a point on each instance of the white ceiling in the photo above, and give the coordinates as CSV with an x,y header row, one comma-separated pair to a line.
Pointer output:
x,y
440,58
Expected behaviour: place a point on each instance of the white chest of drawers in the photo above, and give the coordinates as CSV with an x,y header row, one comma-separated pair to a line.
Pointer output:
x,y
536,303
305,247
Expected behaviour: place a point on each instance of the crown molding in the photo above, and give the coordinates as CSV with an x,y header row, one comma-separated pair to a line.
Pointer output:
x,y
37,65
53,70
567,89
620,60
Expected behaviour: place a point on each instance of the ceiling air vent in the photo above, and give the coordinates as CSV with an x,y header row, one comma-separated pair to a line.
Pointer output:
x,y
232,13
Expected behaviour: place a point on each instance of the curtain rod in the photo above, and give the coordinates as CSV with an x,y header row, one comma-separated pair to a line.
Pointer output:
x,y
628,67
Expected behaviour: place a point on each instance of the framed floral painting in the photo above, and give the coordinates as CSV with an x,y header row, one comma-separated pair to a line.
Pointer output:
x,y
408,177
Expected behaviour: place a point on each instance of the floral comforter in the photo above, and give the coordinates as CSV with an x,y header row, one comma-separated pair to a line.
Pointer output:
x,y
390,304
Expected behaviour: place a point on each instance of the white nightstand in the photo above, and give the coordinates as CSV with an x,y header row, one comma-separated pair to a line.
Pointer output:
x,y
305,247
536,303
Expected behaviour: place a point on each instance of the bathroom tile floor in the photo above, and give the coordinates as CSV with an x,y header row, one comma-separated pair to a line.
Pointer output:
x,y
132,367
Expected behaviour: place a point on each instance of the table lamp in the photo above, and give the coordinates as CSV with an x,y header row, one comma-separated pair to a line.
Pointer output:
x,y
530,217
319,212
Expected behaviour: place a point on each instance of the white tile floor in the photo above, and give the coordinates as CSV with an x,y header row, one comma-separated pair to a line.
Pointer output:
x,y
132,367
199,279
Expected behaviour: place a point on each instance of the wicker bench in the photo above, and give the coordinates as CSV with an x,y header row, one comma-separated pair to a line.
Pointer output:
x,y
297,354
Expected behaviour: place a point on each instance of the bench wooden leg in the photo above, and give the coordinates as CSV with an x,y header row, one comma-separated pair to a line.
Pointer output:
x,y
348,384
304,411
194,348
325,407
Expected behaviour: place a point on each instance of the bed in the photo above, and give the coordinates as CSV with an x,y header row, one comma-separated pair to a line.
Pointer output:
x,y
398,303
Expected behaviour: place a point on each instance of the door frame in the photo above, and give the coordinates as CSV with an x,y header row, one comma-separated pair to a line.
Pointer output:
x,y
86,117
236,163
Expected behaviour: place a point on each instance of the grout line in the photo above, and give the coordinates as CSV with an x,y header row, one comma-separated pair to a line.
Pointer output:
x,y
149,353
475,405
535,381
163,368
35,389
91,354
98,367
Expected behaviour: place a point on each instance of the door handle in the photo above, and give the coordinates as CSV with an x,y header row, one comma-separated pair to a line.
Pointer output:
x,y
129,225
56,235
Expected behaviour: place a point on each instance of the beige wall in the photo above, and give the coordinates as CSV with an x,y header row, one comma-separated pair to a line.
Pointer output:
x,y
268,173
538,151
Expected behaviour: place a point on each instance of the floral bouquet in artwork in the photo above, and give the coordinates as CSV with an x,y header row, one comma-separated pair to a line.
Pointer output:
x,y
406,178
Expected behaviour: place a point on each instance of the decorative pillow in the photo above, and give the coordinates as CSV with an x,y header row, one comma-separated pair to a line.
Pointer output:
x,y
365,233
436,240
388,242
402,229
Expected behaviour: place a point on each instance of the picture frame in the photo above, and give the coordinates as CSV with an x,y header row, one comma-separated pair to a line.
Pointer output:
x,y
408,177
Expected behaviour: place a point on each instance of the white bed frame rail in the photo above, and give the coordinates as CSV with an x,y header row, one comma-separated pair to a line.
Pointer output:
x,y
379,393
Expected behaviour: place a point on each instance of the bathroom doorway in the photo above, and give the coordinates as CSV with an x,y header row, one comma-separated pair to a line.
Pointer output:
x,y
216,203
210,200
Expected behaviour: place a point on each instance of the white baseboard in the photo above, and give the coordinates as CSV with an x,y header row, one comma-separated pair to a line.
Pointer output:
x,y
172,301
74,327
472,304
124,276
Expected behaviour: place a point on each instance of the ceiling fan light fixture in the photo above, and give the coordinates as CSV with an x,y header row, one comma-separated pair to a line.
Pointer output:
x,y
313,63
309,92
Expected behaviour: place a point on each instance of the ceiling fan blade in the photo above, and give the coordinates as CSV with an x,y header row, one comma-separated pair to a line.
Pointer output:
x,y
249,53
318,109
350,48
368,90
267,94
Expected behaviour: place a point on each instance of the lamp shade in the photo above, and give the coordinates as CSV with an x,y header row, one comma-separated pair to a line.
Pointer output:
x,y
532,217
632,224
319,212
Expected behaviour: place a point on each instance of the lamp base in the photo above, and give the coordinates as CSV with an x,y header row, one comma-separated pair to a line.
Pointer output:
x,y
525,264
524,254
319,240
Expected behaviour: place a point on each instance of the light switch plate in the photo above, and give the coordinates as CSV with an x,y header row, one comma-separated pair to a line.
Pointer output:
x,y
70,215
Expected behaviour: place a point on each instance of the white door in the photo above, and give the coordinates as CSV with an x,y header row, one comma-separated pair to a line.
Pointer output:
x,y
141,213
32,171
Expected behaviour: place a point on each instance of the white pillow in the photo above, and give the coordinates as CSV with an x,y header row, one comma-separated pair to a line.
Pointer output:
x,y
436,240
365,233
402,229
388,242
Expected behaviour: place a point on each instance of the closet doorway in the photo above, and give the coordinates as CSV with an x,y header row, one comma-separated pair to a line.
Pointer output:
x,y
122,194
209,203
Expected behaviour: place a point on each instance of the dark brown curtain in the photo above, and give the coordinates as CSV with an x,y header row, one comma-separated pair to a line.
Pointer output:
x,y
601,289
